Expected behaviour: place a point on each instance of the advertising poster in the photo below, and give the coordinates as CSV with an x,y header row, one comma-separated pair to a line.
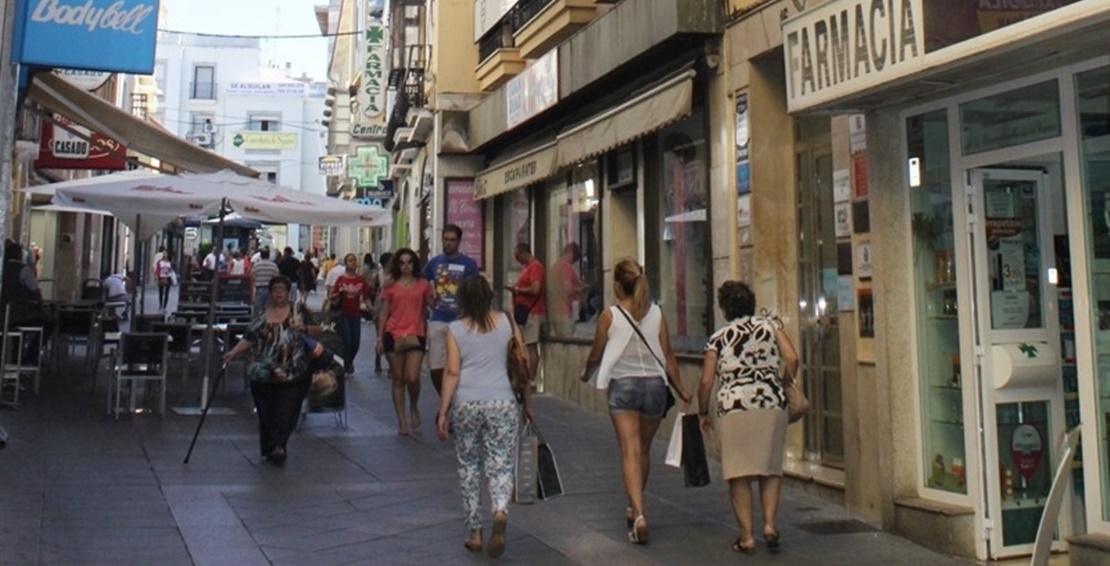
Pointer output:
x,y
842,219
466,213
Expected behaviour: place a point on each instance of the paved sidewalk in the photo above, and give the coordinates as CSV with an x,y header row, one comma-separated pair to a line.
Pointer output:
x,y
77,487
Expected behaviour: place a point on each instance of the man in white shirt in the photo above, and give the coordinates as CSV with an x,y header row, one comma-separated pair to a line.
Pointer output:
x,y
209,265
115,290
333,275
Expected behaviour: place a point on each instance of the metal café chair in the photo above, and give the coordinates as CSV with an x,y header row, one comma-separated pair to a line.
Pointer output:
x,y
15,365
76,325
107,336
143,358
180,346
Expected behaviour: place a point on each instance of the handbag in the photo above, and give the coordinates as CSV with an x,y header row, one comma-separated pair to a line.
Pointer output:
x,y
695,466
520,375
549,484
797,405
524,483
406,343
670,395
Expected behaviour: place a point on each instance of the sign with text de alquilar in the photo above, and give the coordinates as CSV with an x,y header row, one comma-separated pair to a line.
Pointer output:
x,y
97,35
370,117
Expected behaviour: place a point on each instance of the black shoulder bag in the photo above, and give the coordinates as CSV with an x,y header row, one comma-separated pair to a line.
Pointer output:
x,y
521,312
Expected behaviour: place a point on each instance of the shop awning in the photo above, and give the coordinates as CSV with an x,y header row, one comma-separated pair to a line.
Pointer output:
x,y
97,114
516,172
667,102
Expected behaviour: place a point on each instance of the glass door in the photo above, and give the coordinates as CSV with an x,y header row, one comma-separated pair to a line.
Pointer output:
x,y
1017,329
817,303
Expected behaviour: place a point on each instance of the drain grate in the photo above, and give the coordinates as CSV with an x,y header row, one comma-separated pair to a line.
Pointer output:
x,y
836,527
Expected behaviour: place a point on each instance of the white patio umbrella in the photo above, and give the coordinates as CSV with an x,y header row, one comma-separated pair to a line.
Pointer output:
x,y
147,199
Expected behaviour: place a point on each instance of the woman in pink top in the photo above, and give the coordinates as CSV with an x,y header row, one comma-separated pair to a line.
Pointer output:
x,y
402,330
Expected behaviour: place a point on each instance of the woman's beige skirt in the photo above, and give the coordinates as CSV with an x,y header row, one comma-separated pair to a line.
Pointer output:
x,y
752,442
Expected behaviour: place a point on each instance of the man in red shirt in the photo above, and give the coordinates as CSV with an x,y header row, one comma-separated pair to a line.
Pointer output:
x,y
528,298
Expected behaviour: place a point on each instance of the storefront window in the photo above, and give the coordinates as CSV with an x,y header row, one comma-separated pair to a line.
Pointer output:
x,y
1024,115
684,284
935,276
514,225
1093,105
574,285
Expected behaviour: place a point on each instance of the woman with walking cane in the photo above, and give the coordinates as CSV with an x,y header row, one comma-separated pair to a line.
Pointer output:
x,y
278,369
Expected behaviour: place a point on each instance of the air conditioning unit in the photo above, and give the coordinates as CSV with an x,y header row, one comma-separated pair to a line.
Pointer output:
x,y
203,139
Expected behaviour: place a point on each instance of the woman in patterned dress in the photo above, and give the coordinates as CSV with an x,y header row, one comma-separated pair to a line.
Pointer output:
x,y
278,369
753,360
483,408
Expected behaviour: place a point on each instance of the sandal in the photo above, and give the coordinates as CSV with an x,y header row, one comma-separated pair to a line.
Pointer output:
x,y
474,544
772,539
739,546
639,532
629,517
496,546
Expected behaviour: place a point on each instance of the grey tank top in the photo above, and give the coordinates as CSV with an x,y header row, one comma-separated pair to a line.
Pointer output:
x,y
483,375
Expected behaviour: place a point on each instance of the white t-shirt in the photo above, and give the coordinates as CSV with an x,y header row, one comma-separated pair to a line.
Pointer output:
x,y
163,269
115,285
238,267
334,275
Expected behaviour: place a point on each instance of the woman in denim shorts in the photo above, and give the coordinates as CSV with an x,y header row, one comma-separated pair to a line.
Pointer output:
x,y
628,368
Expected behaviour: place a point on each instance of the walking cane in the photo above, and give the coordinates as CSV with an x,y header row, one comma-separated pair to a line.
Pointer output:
x,y
204,410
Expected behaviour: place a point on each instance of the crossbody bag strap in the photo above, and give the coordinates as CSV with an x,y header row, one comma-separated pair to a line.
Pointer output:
x,y
636,327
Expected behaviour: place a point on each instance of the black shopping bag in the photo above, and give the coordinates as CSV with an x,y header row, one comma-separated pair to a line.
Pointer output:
x,y
524,487
550,484
695,467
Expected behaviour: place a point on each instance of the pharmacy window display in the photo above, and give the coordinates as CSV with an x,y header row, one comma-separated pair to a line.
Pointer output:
x,y
937,306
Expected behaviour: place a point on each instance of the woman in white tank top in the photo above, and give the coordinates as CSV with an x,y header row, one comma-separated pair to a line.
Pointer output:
x,y
628,367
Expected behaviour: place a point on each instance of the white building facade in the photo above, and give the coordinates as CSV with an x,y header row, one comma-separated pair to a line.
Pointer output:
x,y
214,92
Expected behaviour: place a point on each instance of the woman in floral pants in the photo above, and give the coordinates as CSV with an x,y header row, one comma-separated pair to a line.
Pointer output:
x,y
485,414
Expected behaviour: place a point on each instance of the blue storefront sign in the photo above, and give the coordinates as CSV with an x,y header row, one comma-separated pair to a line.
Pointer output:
x,y
97,35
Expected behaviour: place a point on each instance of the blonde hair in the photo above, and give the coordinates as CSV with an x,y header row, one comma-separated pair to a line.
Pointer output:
x,y
629,282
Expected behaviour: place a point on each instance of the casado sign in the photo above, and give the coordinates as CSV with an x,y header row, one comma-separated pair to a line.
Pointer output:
x,y
99,35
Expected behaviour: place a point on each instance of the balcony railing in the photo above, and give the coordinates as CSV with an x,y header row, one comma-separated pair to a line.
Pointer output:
x,y
492,41
524,11
202,90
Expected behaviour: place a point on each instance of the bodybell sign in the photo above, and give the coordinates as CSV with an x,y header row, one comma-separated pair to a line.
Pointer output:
x,y
98,35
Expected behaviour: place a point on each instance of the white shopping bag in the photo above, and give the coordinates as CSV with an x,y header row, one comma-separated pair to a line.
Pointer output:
x,y
674,448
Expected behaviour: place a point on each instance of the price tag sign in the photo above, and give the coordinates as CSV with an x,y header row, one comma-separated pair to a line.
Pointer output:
x,y
1012,253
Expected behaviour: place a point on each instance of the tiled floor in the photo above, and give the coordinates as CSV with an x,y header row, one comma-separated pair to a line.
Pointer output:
x,y
77,487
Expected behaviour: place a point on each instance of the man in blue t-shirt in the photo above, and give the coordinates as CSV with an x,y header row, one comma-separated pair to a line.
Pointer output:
x,y
445,272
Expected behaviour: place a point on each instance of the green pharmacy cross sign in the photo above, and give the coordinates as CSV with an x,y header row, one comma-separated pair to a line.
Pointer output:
x,y
1029,350
367,166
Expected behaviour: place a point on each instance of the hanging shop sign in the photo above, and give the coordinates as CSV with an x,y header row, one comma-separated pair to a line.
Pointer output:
x,y
534,90
98,35
84,80
368,166
841,48
60,148
264,140
370,102
332,165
